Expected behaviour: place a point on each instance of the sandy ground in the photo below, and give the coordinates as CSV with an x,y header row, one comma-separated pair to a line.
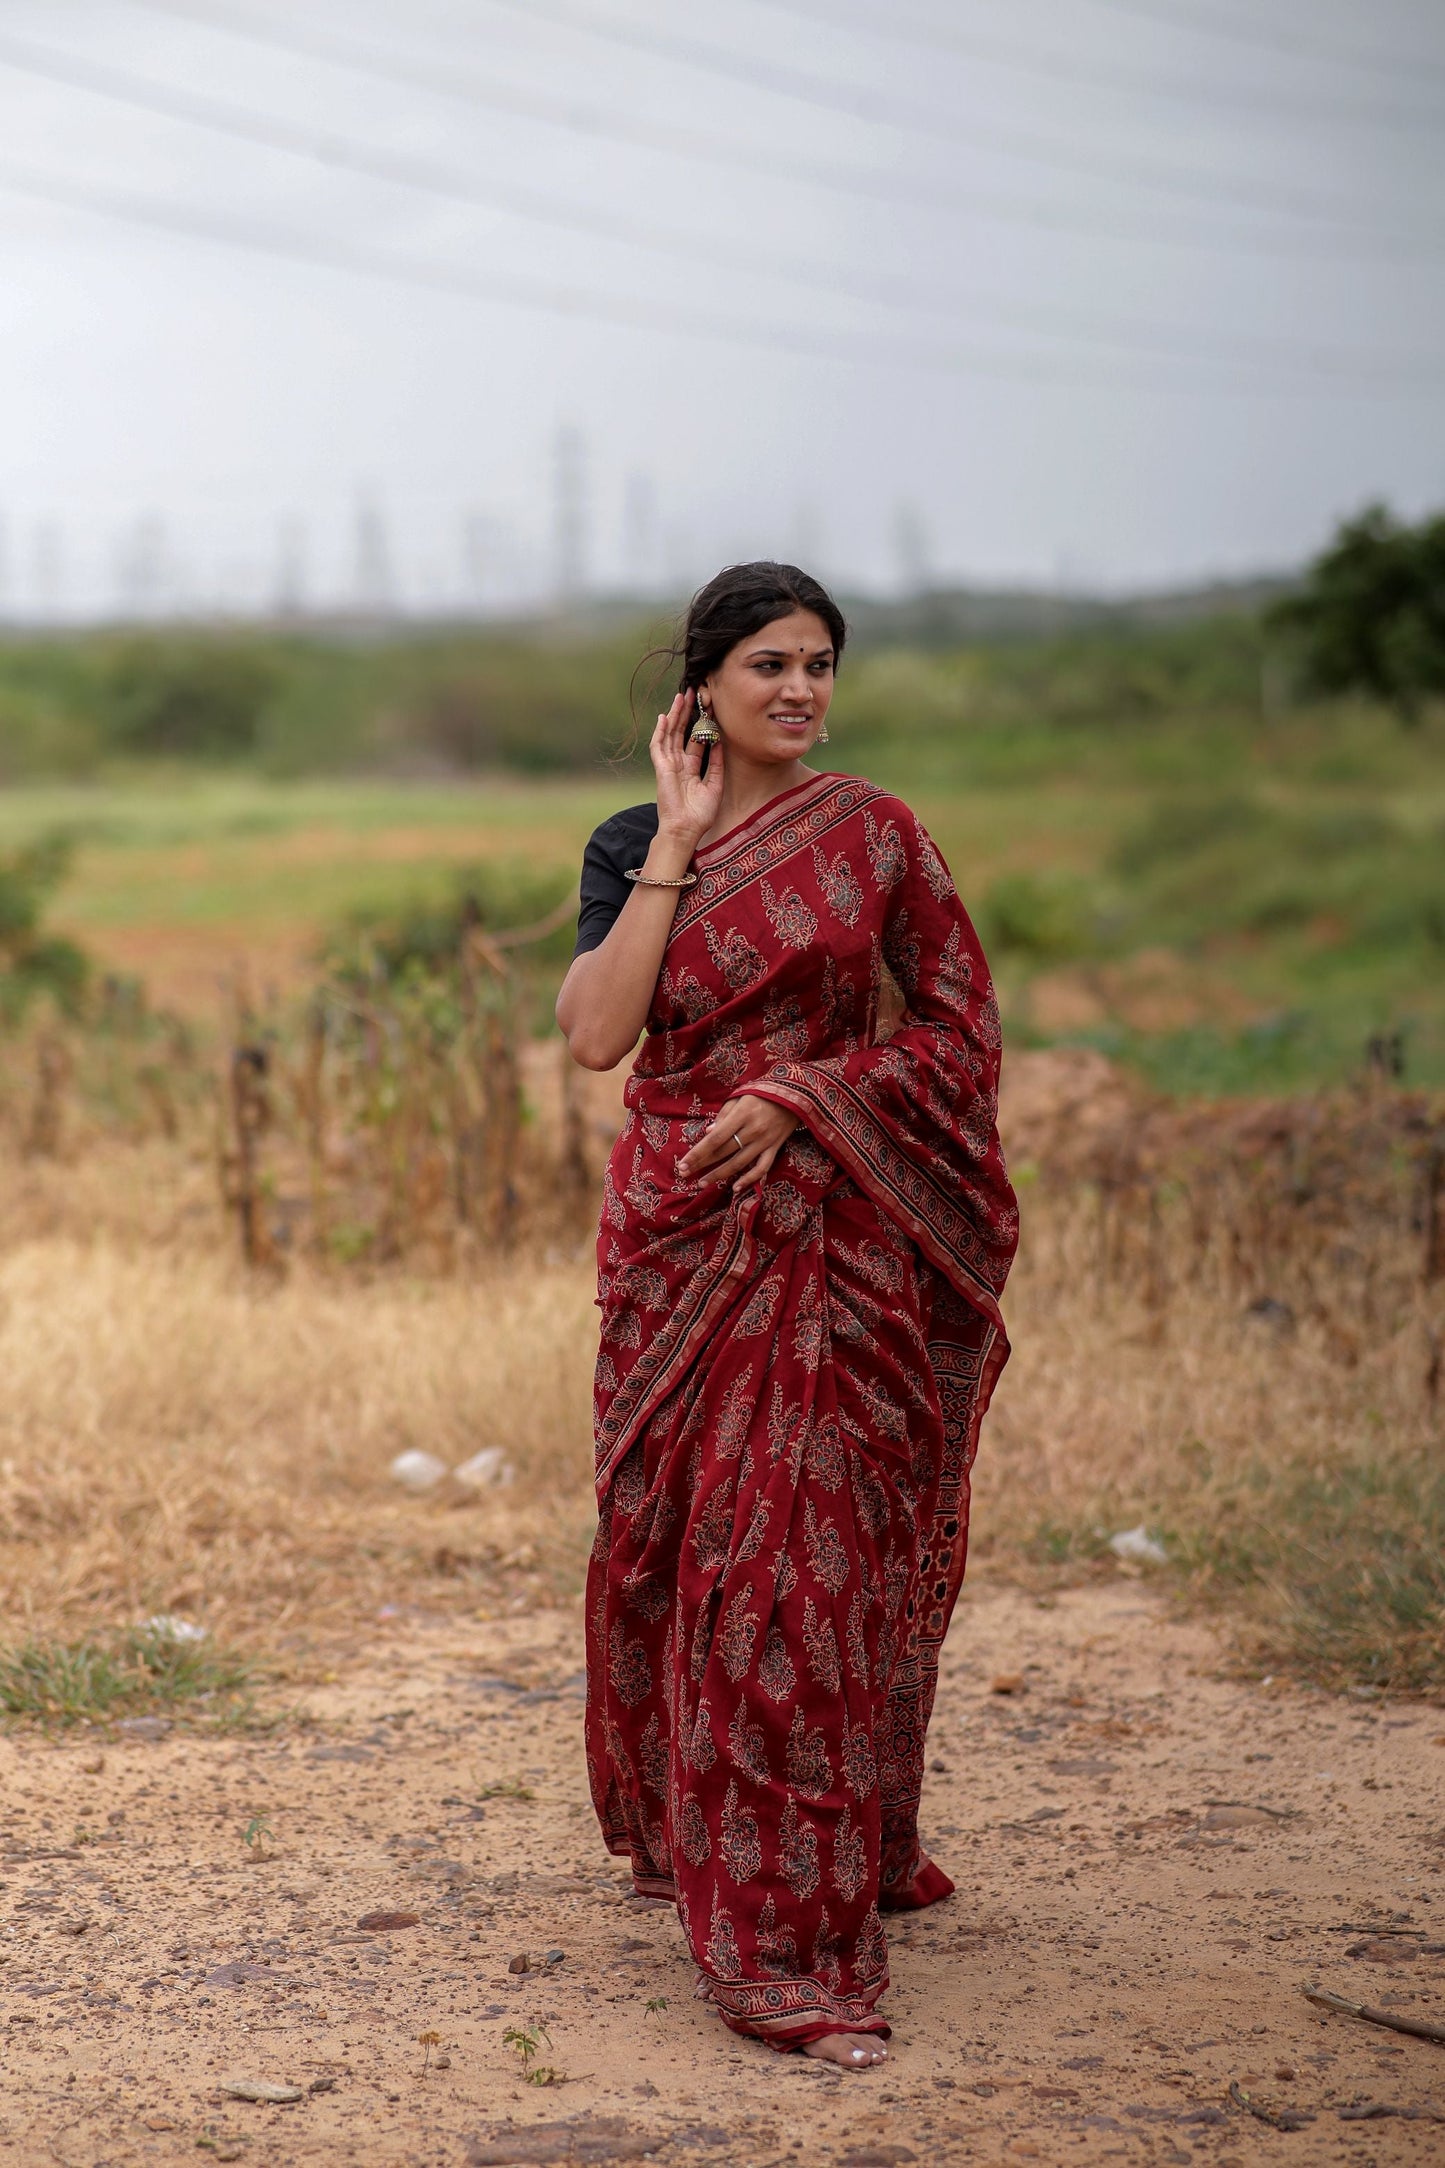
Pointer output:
x,y
1151,1858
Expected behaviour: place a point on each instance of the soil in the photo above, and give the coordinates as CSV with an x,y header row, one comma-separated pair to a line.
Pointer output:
x,y
1151,1856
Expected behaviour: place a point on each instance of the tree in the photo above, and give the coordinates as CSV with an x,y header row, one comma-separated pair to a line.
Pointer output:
x,y
1370,617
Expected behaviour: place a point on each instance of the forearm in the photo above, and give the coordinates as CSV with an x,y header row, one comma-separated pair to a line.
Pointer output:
x,y
602,1007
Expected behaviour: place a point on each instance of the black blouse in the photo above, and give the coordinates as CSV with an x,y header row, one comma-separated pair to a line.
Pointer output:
x,y
620,843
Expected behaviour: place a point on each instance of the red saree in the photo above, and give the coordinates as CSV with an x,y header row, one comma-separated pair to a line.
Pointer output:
x,y
789,1393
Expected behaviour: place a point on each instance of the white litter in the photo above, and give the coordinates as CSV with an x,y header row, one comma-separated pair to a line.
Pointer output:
x,y
1138,1548
165,1626
262,2089
489,1466
417,1471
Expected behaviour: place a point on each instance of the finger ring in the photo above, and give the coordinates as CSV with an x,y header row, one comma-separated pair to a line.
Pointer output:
x,y
737,1140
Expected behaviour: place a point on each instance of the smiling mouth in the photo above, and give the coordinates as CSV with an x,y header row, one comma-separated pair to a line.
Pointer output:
x,y
791,715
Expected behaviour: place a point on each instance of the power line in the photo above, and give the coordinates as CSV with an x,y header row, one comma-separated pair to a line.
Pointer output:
x,y
881,108
456,80
1248,30
626,312
914,29
451,183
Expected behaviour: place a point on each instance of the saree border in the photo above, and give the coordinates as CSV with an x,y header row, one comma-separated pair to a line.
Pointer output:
x,y
965,1366
790,2013
776,840
675,1344
876,1165
794,795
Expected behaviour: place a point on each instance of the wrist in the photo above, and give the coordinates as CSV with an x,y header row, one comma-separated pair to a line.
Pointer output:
x,y
670,851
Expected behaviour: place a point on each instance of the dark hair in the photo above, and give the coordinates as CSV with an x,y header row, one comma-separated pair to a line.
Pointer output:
x,y
739,602
733,606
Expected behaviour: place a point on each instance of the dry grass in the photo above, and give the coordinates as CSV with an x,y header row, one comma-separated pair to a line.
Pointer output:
x,y
178,1437
1243,1354
1294,1476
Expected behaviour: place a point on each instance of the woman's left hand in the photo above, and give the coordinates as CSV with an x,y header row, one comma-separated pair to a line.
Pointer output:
x,y
741,1145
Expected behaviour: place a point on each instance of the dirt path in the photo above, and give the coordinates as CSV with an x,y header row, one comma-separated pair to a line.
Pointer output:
x,y
1120,1948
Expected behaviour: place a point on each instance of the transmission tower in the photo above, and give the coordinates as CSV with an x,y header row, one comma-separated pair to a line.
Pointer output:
x,y
639,535
47,568
375,589
140,568
289,592
911,549
569,516
482,561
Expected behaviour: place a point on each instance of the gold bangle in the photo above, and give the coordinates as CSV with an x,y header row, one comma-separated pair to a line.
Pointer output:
x,y
651,880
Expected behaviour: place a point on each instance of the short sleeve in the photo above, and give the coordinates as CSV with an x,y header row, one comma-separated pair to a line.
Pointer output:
x,y
620,843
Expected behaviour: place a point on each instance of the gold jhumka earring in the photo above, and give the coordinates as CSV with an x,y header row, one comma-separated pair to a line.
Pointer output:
x,y
705,731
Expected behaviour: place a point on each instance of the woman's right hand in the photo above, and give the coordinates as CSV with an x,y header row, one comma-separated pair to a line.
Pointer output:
x,y
688,801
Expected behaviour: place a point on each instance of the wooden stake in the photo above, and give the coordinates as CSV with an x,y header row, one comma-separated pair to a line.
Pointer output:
x,y
250,1116
1433,1263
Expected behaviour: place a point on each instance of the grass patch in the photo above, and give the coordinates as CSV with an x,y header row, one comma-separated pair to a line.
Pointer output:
x,y
1065,1544
1334,1574
1293,1050
1341,1571
137,1673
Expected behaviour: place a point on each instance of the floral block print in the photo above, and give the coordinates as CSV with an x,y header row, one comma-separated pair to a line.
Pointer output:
x,y
789,1392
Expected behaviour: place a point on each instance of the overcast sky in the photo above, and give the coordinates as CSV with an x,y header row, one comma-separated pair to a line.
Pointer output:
x,y
302,295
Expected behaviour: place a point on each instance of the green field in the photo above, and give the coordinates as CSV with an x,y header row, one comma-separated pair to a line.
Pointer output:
x,y
1221,945
1229,890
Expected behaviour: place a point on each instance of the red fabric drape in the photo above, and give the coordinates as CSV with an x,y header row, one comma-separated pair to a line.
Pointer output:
x,y
789,1390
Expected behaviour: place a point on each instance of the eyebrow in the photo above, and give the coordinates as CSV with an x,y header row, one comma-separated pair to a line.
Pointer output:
x,y
760,654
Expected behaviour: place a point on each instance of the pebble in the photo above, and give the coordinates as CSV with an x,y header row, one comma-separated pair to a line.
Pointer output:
x,y
239,1972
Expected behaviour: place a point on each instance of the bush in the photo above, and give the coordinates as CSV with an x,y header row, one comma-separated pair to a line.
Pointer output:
x,y
31,961
495,700
196,697
412,953
41,734
1046,919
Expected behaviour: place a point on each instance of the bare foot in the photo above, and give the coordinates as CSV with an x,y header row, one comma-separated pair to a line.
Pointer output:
x,y
855,2051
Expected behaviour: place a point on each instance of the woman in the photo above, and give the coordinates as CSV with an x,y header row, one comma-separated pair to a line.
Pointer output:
x,y
805,1231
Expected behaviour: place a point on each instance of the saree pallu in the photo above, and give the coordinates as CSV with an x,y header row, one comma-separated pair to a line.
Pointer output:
x,y
789,1390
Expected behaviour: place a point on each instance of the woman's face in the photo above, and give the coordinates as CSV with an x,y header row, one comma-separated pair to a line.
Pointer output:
x,y
771,693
